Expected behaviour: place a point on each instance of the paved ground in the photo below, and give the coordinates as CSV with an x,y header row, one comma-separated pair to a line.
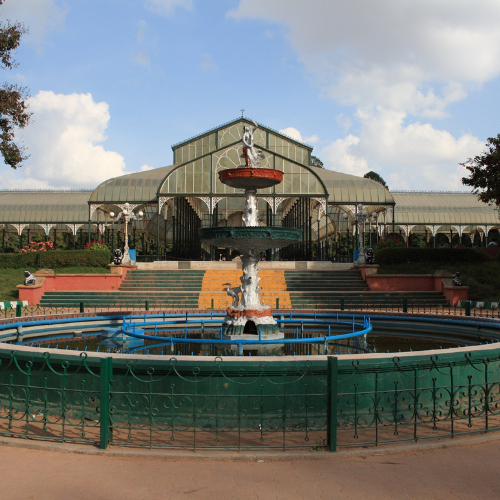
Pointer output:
x,y
468,469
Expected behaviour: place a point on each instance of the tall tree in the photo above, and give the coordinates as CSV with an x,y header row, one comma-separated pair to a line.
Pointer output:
x,y
485,172
13,106
375,177
316,162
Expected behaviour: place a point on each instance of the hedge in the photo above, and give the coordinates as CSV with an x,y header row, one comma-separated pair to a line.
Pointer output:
x,y
386,256
56,259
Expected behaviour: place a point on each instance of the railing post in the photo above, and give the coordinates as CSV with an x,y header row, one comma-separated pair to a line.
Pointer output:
x,y
106,377
332,406
467,308
277,303
342,304
147,305
18,310
212,306
405,305
82,307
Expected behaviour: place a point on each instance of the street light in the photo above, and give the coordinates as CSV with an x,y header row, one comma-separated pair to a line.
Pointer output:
x,y
373,218
360,216
127,215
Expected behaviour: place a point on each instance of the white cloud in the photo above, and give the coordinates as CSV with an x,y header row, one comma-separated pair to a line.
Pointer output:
x,y
384,52
145,167
312,139
141,31
292,132
207,63
416,156
166,7
344,121
140,58
40,16
295,134
63,142
399,64
339,156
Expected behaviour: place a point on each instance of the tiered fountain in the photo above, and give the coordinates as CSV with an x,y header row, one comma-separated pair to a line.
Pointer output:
x,y
248,316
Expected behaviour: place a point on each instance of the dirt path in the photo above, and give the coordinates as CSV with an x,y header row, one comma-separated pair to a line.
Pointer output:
x,y
466,471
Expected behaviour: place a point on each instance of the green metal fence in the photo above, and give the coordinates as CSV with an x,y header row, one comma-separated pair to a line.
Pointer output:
x,y
318,403
345,304
189,404
418,397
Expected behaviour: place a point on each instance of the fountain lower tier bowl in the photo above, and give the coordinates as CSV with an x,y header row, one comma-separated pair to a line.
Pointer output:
x,y
253,238
251,178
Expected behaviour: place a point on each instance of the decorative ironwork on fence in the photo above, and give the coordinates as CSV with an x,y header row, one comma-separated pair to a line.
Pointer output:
x,y
190,403
348,304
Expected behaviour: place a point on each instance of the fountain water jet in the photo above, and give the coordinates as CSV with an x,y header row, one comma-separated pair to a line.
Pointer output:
x,y
248,314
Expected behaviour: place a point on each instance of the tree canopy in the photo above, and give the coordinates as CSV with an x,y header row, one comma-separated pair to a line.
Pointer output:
x,y
375,177
316,162
13,106
484,171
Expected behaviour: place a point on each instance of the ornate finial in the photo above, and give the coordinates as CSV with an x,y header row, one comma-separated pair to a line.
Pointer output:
x,y
242,111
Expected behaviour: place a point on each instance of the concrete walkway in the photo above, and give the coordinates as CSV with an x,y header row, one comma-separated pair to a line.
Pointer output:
x,y
455,469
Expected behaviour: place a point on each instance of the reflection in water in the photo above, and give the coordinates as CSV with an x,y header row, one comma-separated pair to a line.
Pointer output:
x,y
378,340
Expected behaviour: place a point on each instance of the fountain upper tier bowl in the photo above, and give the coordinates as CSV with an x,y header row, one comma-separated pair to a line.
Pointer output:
x,y
251,178
256,238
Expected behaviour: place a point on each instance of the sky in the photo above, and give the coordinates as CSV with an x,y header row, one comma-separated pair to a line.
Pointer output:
x,y
408,89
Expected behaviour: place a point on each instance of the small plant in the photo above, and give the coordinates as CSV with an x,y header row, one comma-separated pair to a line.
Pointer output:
x,y
38,246
95,245
390,242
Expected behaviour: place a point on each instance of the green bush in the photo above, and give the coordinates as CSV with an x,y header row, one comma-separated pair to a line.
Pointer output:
x,y
56,259
390,242
387,256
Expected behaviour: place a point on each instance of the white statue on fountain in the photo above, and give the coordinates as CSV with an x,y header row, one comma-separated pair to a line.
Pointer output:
x,y
234,293
252,155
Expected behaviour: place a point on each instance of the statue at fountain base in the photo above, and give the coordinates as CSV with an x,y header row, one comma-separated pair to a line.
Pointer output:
x,y
245,322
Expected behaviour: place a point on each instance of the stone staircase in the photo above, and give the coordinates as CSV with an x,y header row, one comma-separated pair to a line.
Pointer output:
x,y
295,289
347,289
273,285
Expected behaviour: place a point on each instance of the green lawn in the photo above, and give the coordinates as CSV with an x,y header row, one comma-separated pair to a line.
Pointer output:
x,y
9,278
483,279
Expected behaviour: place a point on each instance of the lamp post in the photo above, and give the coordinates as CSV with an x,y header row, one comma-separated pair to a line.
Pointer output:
x,y
373,218
360,216
127,215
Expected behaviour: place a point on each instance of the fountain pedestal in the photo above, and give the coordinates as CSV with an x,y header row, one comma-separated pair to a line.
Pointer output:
x,y
248,316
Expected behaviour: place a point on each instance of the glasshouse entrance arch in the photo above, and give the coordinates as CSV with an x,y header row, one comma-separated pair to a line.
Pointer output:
x,y
189,196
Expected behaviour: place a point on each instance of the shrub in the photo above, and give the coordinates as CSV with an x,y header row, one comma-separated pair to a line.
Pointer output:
x,y
95,245
492,250
38,246
390,242
56,259
386,256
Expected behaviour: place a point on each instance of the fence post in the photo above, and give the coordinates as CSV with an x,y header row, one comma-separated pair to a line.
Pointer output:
x,y
82,308
342,304
18,310
405,305
277,303
106,377
467,308
212,303
147,305
332,407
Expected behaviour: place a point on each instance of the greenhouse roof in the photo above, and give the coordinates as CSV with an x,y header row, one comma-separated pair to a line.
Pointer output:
x,y
457,208
41,207
349,189
140,187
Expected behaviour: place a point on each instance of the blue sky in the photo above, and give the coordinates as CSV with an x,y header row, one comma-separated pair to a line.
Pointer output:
x,y
407,89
